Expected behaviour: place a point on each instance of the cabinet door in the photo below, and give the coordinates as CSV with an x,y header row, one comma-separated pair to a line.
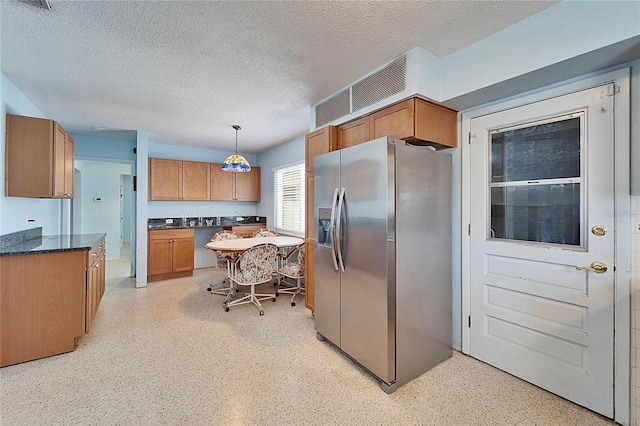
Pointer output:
x,y
221,183
68,167
183,254
435,123
160,258
353,132
395,121
247,185
319,142
93,294
165,179
59,173
310,213
196,181
309,294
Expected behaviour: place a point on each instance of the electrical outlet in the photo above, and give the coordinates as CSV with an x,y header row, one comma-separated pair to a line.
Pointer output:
x,y
239,218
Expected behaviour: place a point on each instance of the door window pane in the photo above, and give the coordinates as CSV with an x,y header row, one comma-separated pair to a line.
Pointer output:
x,y
536,182
543,151
541,213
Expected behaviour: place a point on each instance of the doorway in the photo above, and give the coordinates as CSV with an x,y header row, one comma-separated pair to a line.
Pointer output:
x,y
542,298
105,205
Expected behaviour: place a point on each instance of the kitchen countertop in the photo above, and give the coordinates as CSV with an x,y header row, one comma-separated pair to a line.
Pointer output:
x,y
176,223
52,244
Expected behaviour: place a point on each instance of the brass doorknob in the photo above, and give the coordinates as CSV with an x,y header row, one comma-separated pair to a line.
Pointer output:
x,y
597,267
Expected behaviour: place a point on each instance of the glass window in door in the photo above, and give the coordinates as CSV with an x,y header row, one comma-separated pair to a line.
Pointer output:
x,y
537,182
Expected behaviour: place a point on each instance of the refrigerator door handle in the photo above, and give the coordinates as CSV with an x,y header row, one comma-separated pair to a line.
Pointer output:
x,y
332,227
338,243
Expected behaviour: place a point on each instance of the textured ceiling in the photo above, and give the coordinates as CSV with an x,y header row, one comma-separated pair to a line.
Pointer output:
x,y
185,71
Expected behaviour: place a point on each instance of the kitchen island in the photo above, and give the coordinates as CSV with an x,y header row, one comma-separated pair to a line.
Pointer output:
x,y
50,290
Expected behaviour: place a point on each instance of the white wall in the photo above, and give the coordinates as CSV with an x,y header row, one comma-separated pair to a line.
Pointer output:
x,y
102,180
14,210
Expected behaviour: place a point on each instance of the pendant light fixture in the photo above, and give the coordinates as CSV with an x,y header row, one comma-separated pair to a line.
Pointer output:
x,y
236,162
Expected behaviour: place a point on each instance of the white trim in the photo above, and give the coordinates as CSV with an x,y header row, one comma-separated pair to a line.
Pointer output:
x,y
286,166
622,200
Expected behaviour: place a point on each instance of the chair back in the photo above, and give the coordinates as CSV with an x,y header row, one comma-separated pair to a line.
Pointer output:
x,y
296,269
224,235
265,233
257,263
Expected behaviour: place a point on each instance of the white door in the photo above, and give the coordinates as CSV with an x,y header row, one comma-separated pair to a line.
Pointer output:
x,y
542,198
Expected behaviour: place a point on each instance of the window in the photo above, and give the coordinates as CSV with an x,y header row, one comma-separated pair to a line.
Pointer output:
x,y
536,181
289,203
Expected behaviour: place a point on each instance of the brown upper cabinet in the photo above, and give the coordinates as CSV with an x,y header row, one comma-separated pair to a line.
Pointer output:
x,y
354,132
416,120
319,142
39,158
178,180
229,186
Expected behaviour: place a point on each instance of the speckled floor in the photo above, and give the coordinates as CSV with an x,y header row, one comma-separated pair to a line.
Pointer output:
x,y
169,355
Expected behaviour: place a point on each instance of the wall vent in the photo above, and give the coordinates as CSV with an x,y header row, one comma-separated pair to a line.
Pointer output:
x,y
380,85
389,83
335,107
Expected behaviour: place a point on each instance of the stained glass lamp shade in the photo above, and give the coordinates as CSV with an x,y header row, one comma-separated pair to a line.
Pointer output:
x,y
236,162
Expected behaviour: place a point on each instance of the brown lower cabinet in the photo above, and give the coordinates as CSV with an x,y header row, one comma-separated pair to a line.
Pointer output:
x,y
170,254
309,274
95,282
47,302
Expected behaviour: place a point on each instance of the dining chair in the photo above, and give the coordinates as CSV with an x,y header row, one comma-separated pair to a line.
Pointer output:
x,y
252,267
265,233
293,270
222,257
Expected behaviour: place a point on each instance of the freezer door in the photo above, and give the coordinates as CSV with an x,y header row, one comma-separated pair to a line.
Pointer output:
x,y
366,234
327,276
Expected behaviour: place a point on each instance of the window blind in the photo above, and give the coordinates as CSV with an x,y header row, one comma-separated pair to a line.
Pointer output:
x,y
289,201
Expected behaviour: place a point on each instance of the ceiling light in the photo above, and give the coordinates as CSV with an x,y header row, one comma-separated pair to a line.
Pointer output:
x,y
235,162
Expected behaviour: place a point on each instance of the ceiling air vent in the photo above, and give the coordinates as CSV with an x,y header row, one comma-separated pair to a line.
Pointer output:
x,y
44,4
335,107
380,85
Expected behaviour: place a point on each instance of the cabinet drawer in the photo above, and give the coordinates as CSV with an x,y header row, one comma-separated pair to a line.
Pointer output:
x,y
95,253
161,234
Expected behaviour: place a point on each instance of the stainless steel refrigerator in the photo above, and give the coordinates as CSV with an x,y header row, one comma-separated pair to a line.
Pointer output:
x,y
383,257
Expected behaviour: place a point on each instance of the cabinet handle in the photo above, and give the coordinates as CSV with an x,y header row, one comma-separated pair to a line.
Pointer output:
x,y
67,194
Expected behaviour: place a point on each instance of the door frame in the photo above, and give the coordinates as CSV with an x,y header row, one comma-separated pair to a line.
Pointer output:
x,y
622,217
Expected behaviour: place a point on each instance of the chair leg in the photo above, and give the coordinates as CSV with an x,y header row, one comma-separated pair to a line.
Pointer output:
x,y
252,297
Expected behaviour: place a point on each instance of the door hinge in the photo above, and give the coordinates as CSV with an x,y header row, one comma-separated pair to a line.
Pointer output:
x,y
135,183
469,321
469,230
469,137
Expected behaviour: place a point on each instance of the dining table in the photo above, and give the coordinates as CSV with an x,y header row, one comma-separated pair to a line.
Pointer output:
x,y
242,244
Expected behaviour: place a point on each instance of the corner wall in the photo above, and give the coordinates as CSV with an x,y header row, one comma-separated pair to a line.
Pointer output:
x,y
47,213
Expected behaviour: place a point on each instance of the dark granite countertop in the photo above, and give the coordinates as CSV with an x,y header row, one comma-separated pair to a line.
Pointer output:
x,y
52,244
207,222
